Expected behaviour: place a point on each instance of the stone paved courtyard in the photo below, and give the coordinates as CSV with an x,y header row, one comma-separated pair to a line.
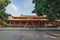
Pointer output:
x,y
29,35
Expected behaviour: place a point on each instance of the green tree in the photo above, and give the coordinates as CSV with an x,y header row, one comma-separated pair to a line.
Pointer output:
x,y
50,8
3,14
3,5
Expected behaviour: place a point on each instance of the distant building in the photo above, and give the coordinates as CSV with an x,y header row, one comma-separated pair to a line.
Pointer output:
x,y
28,20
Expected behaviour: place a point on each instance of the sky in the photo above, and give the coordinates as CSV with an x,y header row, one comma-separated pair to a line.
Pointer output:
x,y
18,7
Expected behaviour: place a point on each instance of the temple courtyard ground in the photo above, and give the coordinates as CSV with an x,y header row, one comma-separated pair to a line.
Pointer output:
x,y
33,34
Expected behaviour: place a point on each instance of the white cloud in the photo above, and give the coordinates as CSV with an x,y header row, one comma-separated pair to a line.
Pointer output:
x,y
13,7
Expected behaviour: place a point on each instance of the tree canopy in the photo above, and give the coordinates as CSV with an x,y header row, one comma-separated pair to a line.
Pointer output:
x,y
50,8
3,5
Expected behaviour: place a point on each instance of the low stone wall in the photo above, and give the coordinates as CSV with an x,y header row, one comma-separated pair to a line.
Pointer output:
x,y
29,29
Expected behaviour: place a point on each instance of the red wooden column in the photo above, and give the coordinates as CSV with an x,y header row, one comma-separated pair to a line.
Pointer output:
x,y
20,23
14,22
33,24
45,24
26,24
10,22
38,23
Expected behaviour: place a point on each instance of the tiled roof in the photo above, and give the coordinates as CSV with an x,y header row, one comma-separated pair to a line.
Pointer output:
x,y
30,19
26,17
